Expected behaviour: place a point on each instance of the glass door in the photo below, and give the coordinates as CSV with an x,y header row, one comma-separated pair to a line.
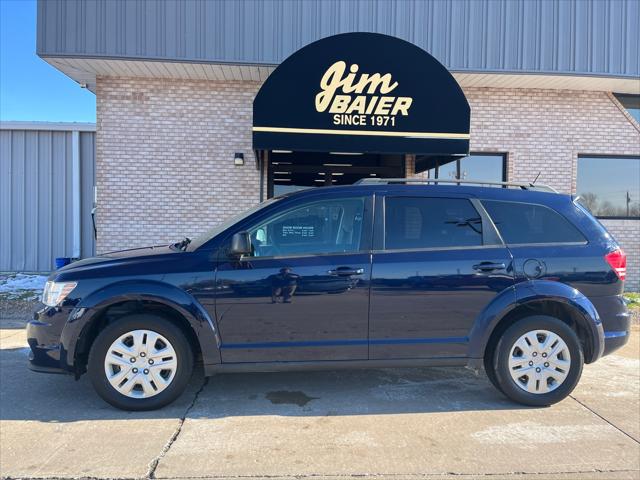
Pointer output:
x,y
291,171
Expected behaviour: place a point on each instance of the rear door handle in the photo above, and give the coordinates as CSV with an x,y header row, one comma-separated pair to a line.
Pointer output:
x,y
345,271
489,266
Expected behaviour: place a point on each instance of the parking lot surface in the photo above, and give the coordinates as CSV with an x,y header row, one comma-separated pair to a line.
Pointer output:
x,y
412,423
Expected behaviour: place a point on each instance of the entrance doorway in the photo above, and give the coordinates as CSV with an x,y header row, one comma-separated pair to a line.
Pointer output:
x,y
289,171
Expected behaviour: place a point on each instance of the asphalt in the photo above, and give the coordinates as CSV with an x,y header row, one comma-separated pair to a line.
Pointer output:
x,y
438,423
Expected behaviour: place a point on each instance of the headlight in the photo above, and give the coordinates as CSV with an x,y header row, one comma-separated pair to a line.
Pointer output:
x,y
55,292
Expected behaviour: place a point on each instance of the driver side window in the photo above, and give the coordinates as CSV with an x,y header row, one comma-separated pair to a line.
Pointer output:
x,y
321,227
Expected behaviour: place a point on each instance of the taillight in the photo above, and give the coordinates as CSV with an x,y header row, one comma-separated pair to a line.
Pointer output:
x,y
618,261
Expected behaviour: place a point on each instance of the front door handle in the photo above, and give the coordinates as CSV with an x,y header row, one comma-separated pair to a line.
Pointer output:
x,y
345,271
489,266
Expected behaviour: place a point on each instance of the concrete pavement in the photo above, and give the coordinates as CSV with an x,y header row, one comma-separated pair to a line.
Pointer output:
x,y
415,423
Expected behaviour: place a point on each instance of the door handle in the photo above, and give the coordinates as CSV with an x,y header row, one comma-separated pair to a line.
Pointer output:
x,y
345,271
489,266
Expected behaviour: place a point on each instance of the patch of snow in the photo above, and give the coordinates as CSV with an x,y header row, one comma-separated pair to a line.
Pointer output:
x,y
16,285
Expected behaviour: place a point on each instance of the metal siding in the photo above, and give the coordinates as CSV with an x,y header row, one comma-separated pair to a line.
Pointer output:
x,y
30,196
583,37
36,197
5,197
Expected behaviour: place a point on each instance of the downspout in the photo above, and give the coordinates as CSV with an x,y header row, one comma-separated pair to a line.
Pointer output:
x,y
76,194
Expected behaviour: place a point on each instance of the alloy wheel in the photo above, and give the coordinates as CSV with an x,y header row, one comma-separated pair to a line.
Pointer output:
x,y
539,361
140,364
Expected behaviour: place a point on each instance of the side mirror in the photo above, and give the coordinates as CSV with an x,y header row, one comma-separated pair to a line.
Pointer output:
x,y
240,244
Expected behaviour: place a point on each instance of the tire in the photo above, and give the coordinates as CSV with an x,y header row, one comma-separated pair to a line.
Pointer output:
x,y
543,373
151,386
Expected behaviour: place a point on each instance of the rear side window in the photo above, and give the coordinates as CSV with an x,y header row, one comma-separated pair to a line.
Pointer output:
x,y
521,223
414,222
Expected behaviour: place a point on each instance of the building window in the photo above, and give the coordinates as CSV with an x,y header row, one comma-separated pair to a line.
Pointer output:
x,y
631,104
610,186
486,167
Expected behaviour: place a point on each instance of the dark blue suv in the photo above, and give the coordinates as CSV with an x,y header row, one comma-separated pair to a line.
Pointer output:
x,y
522,282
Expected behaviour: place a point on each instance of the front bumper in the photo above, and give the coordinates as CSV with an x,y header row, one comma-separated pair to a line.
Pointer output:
x,y
44,333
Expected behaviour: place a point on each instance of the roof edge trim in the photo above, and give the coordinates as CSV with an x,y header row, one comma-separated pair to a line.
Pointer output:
x,y
53,126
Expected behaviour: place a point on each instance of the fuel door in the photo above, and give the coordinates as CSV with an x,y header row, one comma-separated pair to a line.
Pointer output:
x,y
534,268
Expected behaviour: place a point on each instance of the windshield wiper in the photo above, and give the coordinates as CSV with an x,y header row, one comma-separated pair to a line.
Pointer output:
x,y
182,245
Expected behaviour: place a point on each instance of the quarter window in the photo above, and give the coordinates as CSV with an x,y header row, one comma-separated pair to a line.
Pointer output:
x,y
328,226
521,223
610,186
414,223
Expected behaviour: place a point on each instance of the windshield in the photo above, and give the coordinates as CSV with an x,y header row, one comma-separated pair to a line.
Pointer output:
x,y
218,229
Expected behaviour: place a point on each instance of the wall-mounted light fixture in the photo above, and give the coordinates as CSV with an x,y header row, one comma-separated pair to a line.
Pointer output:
x,y
238,159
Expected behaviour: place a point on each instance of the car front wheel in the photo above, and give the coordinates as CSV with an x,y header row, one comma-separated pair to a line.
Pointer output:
x,y
538,361
140,362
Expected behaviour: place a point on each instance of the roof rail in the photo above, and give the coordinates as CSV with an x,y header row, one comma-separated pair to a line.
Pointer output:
x,y
426,181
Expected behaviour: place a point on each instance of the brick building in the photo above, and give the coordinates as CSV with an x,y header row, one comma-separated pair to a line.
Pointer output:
x,y
553,91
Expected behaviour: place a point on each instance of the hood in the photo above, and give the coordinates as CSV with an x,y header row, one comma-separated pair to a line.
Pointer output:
x,y
119,258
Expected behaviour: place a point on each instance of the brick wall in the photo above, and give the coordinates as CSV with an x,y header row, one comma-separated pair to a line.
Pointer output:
x,y
165,151
545,130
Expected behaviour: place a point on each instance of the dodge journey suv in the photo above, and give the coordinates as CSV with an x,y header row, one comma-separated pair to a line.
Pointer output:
x,y
517,280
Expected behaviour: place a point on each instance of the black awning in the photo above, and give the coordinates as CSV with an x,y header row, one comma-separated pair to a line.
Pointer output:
x,y
362,92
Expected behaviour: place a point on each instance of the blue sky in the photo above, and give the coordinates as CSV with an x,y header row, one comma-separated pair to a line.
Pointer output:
x,y
30,88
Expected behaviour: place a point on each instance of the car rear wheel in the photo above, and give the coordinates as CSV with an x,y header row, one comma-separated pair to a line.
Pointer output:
x,y
140,362
537,361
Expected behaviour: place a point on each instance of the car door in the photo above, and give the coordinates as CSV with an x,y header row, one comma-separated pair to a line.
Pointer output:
x,y
438,263
303,295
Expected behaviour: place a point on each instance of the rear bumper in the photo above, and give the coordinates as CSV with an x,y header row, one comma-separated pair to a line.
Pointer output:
x,y
615,319
614,340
